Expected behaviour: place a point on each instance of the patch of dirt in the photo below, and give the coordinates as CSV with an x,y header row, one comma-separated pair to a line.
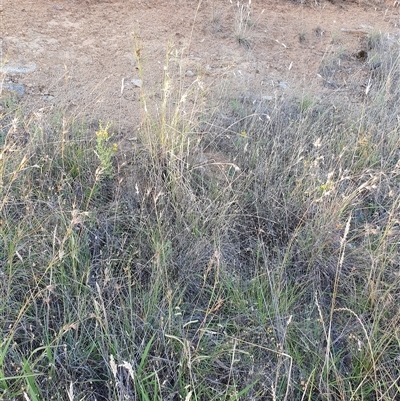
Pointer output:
x,y
80,55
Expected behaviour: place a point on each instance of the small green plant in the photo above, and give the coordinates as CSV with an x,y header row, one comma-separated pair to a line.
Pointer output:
x,y
375,41
105,151
306,103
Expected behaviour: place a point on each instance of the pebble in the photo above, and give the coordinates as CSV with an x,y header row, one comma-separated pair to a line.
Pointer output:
x,y
18,89
17,68
137,82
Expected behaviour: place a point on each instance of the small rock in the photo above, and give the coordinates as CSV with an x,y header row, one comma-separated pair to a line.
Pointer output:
x,y
189,73
18,89
137,82
18,68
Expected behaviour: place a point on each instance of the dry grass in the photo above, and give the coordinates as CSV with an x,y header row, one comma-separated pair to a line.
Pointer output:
x,y
242,250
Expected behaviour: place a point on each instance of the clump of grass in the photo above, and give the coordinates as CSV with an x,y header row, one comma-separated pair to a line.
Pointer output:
x,y
243,23
239,250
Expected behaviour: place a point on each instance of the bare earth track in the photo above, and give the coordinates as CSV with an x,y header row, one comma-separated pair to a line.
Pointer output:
x,y
80,55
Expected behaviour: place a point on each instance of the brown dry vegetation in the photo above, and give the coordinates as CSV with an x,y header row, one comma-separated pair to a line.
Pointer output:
x,y
231,243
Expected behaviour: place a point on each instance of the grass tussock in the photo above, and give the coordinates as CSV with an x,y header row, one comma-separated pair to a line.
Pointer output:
x,y
245,249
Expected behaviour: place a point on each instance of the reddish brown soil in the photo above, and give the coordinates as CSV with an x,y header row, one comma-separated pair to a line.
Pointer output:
x,y
84,51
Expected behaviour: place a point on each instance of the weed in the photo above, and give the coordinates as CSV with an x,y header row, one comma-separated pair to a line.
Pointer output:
x,y
306,103
243,23
105,152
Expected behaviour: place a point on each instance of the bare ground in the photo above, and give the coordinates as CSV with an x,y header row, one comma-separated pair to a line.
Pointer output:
x,y
80,55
